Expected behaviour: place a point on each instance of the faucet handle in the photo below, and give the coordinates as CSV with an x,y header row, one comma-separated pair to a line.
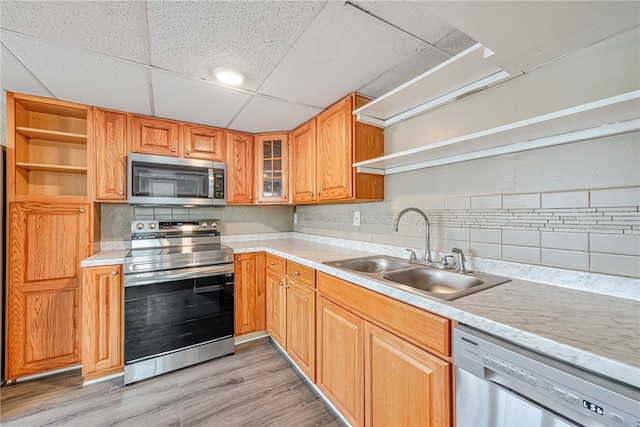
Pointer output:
x,y
413,256
444,262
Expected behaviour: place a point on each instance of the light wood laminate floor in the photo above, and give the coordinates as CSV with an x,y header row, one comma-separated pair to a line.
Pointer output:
x,y
254,387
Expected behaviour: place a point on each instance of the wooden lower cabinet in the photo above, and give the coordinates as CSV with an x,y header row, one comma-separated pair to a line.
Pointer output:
x,y
102,321
291,313
249,293
46,243
404,384
368,370
276,307
340,347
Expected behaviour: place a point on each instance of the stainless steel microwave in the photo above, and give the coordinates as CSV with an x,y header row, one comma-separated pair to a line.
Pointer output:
x,y
170,181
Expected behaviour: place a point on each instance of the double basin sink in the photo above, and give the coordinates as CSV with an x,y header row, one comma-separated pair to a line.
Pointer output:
x,y
434,282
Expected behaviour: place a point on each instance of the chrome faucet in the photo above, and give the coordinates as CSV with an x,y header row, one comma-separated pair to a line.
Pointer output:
x,y
427,253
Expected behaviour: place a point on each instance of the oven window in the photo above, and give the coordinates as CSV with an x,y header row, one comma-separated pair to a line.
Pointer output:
x,y
168,316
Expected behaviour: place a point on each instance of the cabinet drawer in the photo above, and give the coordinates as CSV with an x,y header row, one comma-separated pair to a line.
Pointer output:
x,y
418,326
301,273
275,263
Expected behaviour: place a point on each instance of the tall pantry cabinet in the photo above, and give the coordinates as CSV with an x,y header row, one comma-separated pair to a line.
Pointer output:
x,y
49,231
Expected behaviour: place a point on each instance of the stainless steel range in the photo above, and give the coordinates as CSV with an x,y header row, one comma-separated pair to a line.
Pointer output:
x,y
178,297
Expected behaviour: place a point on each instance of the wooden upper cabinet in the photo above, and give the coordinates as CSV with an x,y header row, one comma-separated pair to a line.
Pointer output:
x,y
303,163
334,154
205,143
240,168
47,149
272,152
340,142
102,321
111,147
48,241
154,136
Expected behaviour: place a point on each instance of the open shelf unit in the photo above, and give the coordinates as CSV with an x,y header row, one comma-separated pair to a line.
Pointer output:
x,y
464,74
50,148
605,117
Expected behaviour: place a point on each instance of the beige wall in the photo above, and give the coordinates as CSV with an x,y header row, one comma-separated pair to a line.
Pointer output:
x,y
116,219
574,206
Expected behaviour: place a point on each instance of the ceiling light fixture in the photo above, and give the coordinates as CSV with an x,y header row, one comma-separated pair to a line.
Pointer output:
x,y
228,76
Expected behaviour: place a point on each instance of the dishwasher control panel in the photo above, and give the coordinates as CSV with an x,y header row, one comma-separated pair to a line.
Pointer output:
x,y
579,396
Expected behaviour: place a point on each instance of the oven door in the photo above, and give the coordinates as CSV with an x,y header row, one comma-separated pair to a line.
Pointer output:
x,y
177,310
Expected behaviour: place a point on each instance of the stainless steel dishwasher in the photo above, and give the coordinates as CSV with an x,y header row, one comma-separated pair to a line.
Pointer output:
x,y
502,384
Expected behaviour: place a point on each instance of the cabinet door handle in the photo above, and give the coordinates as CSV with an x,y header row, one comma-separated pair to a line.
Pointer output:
x,y
81,210
239,259
188,151
284,197
273,263
286,286
114,273
280,284
311,193
173,150
120,193
317,194
250,197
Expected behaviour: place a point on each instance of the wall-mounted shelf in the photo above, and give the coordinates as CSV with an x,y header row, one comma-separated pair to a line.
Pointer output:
x,y
605,117
466,73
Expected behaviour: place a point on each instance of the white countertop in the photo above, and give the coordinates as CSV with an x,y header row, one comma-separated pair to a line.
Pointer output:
x,y
597,332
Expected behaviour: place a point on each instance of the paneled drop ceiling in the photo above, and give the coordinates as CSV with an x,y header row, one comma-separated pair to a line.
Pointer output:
x,y
157,57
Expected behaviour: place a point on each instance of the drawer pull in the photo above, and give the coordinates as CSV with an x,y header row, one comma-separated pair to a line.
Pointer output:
x,y
273,263
296,273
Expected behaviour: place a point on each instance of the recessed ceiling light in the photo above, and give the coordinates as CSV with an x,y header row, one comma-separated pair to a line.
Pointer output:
x,y
228,76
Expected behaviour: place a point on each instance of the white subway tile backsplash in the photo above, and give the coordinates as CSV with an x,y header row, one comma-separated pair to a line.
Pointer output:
x,y
616,197
486,202
569,199
461,234
615,264
623,244
454,203
485,235
565,259
521,254
433,204
485,250
521,201
521,238
569,241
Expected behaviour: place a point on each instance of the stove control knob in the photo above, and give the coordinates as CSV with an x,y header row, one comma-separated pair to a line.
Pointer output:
x,y
214,224
139,226
152,225
204,225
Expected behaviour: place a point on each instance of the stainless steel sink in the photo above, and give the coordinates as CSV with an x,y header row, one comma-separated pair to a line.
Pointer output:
x,y
437,283
372,264
443,284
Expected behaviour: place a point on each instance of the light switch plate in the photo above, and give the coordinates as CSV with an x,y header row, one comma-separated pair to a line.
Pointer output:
x,y
356,218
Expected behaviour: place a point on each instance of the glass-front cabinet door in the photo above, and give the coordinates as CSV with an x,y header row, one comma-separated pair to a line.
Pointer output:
x,y
273,177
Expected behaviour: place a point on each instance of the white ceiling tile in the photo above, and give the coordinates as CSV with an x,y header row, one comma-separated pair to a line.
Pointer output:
x,y
194,101
264,114
16,78
342,48
193,38
82,76
114,28
412,16
414,66
455,42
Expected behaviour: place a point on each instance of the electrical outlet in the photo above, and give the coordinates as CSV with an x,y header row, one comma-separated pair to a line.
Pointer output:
x,y
356,218
295,217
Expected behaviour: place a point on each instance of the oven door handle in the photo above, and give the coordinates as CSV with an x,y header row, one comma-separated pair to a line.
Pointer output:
x,y
152,277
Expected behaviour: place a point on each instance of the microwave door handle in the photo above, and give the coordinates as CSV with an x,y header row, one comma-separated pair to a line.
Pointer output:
x,y
210,183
